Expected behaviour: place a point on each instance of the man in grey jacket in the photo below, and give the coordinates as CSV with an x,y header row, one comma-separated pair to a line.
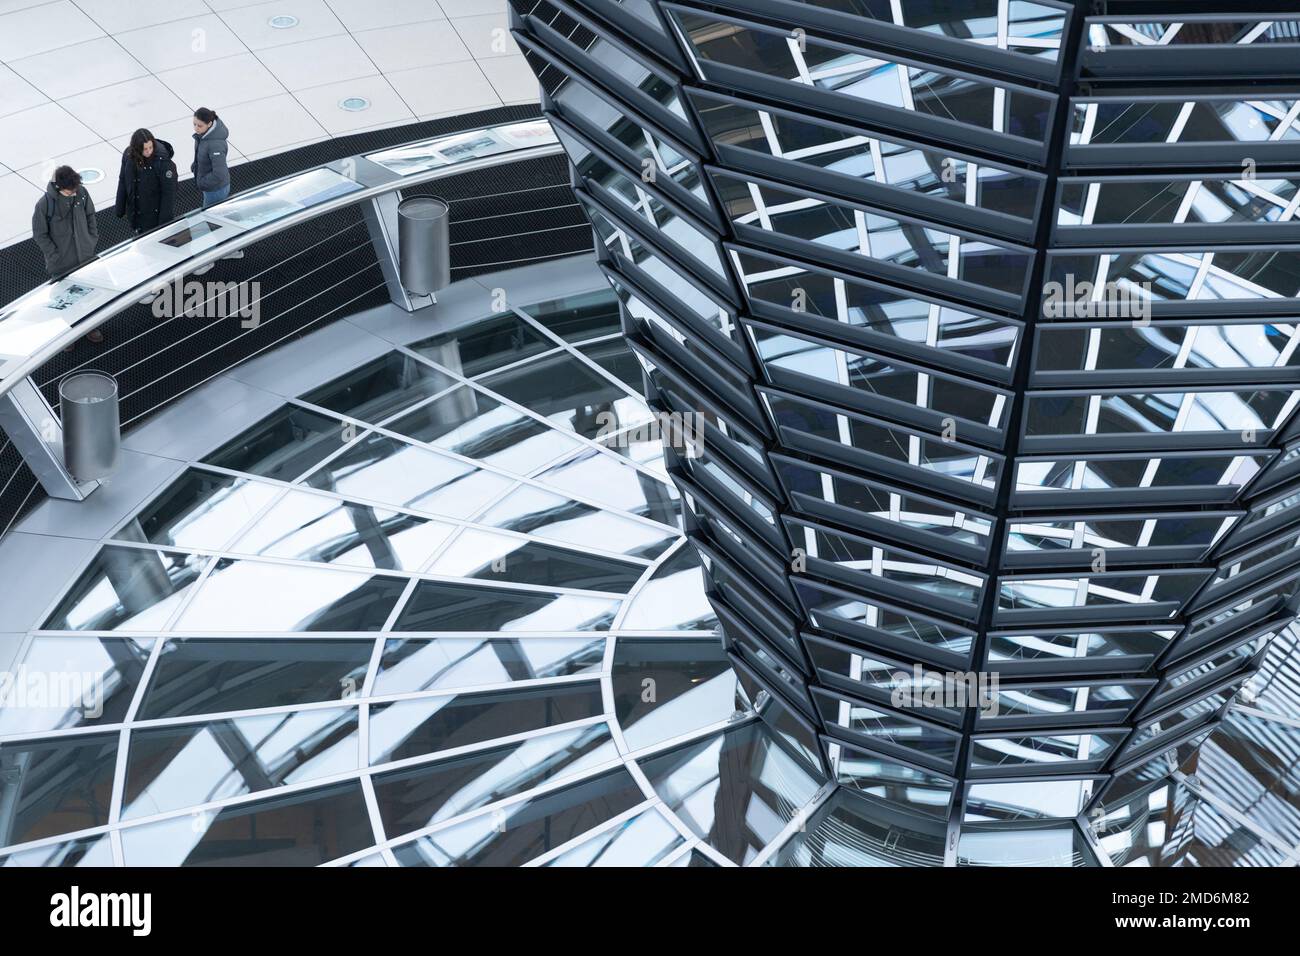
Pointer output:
x,y
64,225
210,169
211,173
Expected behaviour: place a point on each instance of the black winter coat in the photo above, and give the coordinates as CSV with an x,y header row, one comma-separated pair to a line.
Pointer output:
x,y
146,194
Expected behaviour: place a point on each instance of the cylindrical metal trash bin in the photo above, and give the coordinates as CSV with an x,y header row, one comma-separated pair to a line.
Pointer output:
x,y
92,431
424,244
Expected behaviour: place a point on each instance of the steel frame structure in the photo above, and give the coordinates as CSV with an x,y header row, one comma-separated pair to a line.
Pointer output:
x,y
835,227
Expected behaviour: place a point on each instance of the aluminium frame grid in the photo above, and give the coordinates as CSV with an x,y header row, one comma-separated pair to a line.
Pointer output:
x,y
690,842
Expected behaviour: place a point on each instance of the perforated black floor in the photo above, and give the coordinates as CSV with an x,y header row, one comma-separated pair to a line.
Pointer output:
x,y
309,275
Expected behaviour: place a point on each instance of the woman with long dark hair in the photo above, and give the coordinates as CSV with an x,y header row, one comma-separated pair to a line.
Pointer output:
x,y
146,187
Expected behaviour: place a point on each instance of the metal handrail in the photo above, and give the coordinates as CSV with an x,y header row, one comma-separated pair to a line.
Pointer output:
x,y
254,234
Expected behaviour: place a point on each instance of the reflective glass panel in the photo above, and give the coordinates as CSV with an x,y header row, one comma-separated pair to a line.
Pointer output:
x,y
216,675
423,795
411,728
300,829
132,589
173,767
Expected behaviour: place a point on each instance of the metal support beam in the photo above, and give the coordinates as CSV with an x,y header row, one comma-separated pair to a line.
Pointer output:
x,y
34,428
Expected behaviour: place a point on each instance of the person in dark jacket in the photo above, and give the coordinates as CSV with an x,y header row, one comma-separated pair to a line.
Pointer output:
x,y
211,173
146,186
64,225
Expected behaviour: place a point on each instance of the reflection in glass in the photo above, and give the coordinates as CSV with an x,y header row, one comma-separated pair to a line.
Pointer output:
x,y
610,481
859,831
1022,845
419,664
383,468
300,829
280,199
55,786
485,345
200,509
737,789
895,783
693,684
131,589
173,767
525,830
886,728
284,444
861,75
216,675
1043,751
467,422
439,606
530,510
1041,799
380,388
412,158
501,557
673,599
61,682
643,840
413,728
95,851
588,403
420,796
242,596
310,527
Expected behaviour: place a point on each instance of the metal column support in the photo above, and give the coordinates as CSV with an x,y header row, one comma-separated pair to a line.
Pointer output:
x,y
381,219
37,433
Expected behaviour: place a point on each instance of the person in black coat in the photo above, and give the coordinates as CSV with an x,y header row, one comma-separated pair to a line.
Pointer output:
x,y
146,187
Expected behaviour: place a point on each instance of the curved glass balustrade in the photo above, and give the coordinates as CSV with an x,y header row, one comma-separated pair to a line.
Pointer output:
x,y
42,322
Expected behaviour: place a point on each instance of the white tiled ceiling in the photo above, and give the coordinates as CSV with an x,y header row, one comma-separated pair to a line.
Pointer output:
x,y
77,76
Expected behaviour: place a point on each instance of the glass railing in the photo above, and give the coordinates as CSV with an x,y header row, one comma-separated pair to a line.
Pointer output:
x,y
38,325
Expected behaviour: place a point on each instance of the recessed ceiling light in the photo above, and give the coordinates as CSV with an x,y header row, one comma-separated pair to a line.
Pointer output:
x,y
283,21
354,104
92,175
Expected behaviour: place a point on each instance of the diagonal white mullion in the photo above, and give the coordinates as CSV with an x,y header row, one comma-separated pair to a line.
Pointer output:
x,y
341,703
458,523
1089,123
479,388
798,823
523,479
833,146
1189,197
1198,281
1180,122
1287,121
802,74
613,823
760,207
329,568
1256,31
905,86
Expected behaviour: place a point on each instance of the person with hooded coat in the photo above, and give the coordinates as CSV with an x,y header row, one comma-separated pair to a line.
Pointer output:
x,y
64,225
211,173
146,186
